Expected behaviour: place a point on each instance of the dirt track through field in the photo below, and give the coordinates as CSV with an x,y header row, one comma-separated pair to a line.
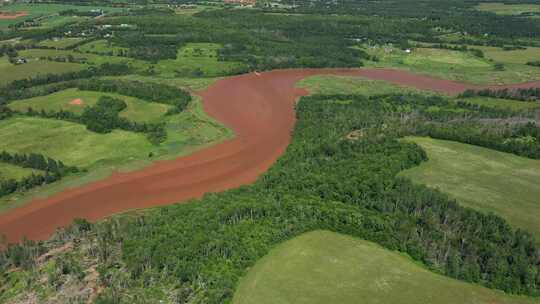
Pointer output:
x,y
260,110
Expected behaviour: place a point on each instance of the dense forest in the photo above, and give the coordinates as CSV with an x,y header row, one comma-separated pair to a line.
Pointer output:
x,y
327,179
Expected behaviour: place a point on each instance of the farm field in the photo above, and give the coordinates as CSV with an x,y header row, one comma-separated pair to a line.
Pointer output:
x,y
454,65
508,9
197,60
61,43
329,85
483,179
326,267
101,46
510,56
34,68
8,171
46,9
91,59
137,110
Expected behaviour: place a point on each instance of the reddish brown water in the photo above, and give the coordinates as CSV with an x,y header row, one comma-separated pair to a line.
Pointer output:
x,y
260,110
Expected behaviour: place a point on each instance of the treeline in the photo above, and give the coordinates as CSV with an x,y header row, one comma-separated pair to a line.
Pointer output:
x,y
534,63
325,180
528,94
103,117
53,170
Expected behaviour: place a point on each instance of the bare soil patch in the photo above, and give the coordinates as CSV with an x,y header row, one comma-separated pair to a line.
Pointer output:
x,y
12,15
77,102
258,108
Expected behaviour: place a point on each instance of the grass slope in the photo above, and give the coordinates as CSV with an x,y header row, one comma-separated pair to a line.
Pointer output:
x,y
34,68
483,179
60,43
137,109
326,267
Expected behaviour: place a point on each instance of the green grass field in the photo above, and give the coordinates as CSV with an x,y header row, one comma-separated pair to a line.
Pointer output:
x,y
483,179
137,110
8,171
329,85
90,58
188,131
508,9
61,43
510,57
325,267
197,59
499,103
34,68
71,142
455,65
46,9
101,47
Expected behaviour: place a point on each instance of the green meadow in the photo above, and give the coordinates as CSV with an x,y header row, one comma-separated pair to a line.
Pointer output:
x,y
454,65
60,43
8,171
330,85
197,59
483,179
137,110
508,9
101,46
326,267
34,68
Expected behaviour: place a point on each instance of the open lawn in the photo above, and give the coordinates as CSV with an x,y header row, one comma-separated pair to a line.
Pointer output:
x,y
499,103
137,109
329,85
455,65
71,142
483,179
325,267
197,59
60,43
508,9
34,68
8,171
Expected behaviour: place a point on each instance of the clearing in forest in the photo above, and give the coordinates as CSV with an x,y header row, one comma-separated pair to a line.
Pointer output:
x,y
326,267
483,179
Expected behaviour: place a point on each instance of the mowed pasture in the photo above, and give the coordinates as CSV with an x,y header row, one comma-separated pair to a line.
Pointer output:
x,y
330,85
137,110
510,56
8,171
11,72
483,179
454,65
60,43
70,142
508,9
326,267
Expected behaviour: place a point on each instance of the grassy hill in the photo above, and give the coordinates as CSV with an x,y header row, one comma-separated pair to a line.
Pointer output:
x,y
483,179
326,267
